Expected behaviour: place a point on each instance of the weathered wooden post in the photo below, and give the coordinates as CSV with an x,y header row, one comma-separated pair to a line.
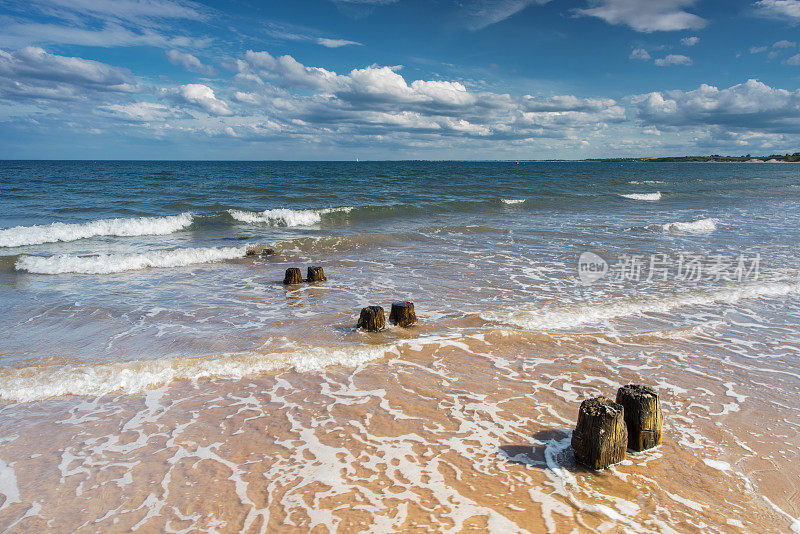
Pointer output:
x,y
293,276
402,313
643,416
372,319
258,250
315,274
600,439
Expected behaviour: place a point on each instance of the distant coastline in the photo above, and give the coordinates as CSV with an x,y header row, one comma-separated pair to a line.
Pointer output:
x,y
714,158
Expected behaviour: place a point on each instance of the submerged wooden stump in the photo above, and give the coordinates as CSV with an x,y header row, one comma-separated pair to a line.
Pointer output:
x,y
258,250
402,313
643,416
315,274
600,439
372,319
293,276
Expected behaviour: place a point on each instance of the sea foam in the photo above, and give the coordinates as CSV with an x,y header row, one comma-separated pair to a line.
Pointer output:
x,y
651,197
51,233
547,319
115,263
699,226
286,217
513,200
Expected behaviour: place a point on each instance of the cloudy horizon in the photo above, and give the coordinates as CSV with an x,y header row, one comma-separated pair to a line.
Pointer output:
x,y
394,79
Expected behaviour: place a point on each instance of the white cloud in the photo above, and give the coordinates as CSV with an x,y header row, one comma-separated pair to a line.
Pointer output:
x,y
794,60
140,111
646,15
199,96
32,72
640,53
780,9
751,106
758,49
673,59
189,62
690,41
335,43
478,14
784,44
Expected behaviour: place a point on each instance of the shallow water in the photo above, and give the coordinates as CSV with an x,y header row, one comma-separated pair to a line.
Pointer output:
x,y
180,385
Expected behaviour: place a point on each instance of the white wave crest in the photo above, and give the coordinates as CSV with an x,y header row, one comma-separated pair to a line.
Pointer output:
x,y
651,197
286,217
55,232
567,318
513,200
34,383
116,263
641,182
699,226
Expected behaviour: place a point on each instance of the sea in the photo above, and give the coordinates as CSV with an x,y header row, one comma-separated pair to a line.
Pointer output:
x,y
155,378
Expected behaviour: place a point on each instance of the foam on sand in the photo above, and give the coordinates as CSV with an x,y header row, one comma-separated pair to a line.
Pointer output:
x,y
699,226
650,197
286,217
51,233
116,263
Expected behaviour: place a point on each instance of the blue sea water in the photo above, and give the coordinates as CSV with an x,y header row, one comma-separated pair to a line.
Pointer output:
x,y
151,251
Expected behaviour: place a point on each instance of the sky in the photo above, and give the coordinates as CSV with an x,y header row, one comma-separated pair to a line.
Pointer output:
x,y
397,79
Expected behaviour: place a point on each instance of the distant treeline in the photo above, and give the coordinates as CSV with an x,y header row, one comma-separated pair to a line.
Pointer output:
x,y
712,158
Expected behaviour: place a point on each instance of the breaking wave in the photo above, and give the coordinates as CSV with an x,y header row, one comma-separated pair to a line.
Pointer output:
x,y
36,383
51,233
698,226
116,263
567,318
643,196
286,217
513,200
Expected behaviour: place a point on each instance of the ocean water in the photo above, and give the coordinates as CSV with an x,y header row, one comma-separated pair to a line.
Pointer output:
x,y
154,378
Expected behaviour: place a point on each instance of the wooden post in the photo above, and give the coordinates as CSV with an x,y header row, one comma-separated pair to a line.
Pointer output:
x,y
600,439
293,276
402,313
315,274
258,250
372,319
643,416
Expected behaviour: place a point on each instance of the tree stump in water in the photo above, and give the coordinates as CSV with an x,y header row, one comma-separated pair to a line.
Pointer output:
x,y
643,416
402,313
600,439
315,274
372,319
258,250
293,276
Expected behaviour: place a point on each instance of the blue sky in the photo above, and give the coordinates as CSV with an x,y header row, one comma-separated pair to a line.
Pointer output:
x,y
398,79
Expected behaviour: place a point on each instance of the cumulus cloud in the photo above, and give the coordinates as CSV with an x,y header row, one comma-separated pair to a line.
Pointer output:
x,y
199,96
645,15
758,49
784,44
378,101
690,41
640,53
751,106
779,9
673,59
189,62
794,60
34,73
